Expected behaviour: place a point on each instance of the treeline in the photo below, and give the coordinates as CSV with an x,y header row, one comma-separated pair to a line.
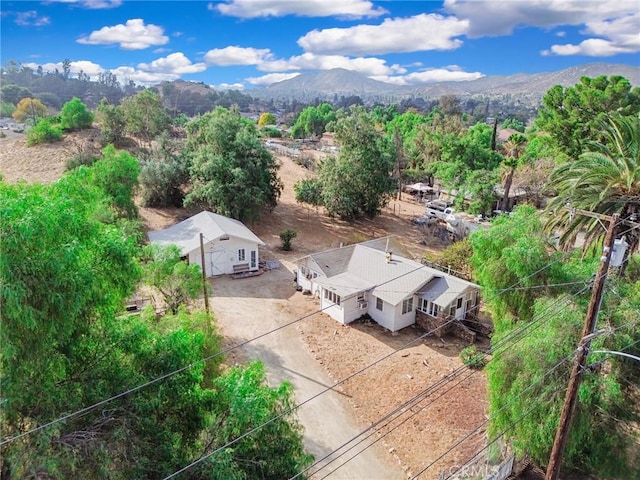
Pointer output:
x,y
71,255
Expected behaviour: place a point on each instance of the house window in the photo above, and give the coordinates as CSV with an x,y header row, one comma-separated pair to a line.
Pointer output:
x,y
379,304
332,297
254,262
407,305
360,298
459,304
241,255
428,307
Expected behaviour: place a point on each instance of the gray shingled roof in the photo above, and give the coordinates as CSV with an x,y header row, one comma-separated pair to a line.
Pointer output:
x,y
356,268
186,234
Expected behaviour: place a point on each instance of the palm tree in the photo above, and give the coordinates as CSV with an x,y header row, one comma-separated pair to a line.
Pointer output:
x,y
606,180
513,147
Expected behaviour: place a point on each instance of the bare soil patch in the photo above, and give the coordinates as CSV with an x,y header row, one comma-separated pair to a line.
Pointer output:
x,y
427,432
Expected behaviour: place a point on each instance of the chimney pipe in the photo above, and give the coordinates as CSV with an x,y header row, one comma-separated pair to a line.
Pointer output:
x,y
388,256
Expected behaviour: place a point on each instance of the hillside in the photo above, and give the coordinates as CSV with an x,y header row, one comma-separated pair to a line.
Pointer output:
x,y
528,87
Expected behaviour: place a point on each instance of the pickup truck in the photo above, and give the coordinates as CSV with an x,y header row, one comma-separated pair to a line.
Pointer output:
x,y
439,209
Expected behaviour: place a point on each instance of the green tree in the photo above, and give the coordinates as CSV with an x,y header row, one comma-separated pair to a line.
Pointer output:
x,y
358,181
13,93
512,149
144,115
117,175
177,281
29,108
244,402
164,172
44,131
605,179
527,377
75,115
510,252
65,346
267,118
286,236
312,121
112,121
573,115
308,191
231,172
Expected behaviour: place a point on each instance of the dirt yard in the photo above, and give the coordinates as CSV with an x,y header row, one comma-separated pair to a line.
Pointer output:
x,y
426,432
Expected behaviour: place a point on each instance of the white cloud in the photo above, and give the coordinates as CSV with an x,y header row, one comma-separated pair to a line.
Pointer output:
x,y
134,35
85,66
175,63
308,61
492,18
621,35
237,56
91,4
303,8
126,74
418,33
31,19
271,78
229,86
451,73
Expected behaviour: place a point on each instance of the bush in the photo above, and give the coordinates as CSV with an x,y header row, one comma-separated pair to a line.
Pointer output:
x,y
286,238
270,132
473,358
45,131
75,115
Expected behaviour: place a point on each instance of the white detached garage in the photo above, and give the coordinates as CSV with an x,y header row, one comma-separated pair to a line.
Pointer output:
x,y
229,246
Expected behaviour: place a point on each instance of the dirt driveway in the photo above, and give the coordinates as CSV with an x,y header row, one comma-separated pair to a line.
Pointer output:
x,y
247,308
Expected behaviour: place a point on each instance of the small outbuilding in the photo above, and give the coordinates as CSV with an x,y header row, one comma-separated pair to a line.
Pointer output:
x,y
229,246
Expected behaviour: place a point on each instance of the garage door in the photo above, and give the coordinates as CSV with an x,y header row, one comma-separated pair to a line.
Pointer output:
x,y
215,262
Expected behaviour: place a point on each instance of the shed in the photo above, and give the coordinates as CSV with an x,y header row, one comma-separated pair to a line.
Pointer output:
x,y
229,246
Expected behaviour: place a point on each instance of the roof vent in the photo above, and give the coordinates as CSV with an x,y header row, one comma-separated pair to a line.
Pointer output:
x,y
388,256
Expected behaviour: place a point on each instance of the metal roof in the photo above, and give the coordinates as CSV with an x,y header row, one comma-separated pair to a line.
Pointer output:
x,y
364,267
186,234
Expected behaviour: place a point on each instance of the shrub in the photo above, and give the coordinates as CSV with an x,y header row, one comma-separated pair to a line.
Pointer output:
x,y
75,115
286,238
473,358
45,131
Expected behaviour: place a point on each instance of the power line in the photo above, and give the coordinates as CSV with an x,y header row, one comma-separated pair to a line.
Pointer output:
x,y
468,462
295,407
87,409
422,394
287,411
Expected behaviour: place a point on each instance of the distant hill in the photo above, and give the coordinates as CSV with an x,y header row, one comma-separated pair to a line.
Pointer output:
x,y
528,87
337,80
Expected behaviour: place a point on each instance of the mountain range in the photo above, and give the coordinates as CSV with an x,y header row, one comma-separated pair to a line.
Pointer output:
x,y
527,87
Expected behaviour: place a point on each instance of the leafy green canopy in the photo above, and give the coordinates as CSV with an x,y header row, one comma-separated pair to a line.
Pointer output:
x,y
75,115
524,401
573,115
605,179
358,181
65,277
232,173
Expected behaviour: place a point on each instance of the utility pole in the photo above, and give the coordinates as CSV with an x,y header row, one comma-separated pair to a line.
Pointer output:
x,y
580,361
204,275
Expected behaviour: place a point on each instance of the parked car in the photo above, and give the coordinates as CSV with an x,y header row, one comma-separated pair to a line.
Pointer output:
x,y
439,209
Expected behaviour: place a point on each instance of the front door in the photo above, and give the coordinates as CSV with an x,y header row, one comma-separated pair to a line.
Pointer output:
x,y
254,257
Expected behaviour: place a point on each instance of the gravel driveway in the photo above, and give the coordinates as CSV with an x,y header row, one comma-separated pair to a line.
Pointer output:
x,y
246,308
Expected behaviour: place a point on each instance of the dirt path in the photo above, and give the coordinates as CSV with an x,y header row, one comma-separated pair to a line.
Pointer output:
x,y
247,308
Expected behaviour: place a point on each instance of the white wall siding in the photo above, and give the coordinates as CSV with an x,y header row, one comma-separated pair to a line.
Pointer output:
x,y
402,321
384,317
334,311
224,255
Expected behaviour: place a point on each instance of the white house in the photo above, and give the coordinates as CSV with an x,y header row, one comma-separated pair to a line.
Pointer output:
x,y
229,246
371,278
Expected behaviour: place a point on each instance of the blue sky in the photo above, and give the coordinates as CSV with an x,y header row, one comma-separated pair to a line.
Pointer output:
x,y
252,43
